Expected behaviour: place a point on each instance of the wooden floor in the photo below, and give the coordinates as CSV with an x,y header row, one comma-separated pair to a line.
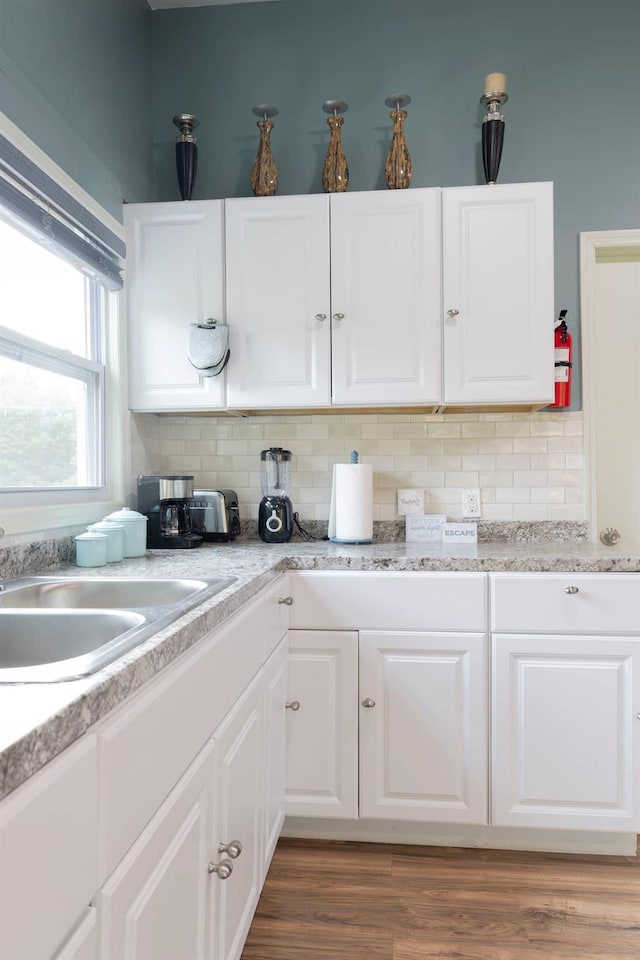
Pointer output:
x,y
343,901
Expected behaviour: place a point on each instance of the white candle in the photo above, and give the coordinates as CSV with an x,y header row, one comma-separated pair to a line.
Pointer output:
x,y
495,82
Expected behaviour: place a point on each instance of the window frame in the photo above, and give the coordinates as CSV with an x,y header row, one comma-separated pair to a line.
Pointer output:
x,y
32,514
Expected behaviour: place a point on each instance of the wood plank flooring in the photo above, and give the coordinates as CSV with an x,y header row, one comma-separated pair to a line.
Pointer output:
x,y
344,901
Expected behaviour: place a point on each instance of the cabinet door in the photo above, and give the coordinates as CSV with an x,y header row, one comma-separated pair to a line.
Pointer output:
x,y
239,804
423,727
498,293
385,297
322,734
175,277
566,742
154,905
274,750
278,301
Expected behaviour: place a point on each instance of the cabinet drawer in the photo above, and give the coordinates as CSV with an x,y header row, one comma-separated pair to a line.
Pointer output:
x,y
147,745
566,603
49,854
388,601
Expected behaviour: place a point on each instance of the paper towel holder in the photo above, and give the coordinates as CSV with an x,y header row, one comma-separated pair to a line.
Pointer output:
x,y
353,459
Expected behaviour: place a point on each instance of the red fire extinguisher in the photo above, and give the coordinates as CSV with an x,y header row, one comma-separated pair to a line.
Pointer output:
x,y
563,363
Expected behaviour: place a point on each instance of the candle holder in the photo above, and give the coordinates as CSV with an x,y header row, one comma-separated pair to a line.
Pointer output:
x,y
335,170
264,173
492,128
398,169
186,153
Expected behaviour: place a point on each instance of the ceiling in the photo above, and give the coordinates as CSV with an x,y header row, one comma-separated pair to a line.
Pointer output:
x,y
170,4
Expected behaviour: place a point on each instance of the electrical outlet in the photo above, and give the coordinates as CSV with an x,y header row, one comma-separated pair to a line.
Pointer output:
x,y
471,504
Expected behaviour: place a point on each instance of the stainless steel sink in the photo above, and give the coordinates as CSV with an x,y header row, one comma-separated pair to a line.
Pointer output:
x,y
62,628
104,592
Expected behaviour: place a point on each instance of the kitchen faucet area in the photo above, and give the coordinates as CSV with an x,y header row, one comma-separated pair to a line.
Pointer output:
x,y
319,539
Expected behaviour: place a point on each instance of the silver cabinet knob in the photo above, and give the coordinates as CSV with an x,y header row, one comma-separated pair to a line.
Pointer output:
x,y
609,536
368,702
288,601
292,705
571,590
338,316
233,849
321,316
452,313
224,869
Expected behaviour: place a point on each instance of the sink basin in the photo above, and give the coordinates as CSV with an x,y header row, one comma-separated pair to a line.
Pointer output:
x,y
105,592
40,645
62,628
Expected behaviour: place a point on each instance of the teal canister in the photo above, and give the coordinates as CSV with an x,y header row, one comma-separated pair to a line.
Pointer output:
x,y
91,549
114,533
135,530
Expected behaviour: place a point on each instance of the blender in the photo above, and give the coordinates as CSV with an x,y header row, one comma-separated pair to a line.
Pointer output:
x,y
275,516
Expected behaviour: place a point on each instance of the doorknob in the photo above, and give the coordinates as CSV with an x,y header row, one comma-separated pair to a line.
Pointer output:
x,y
609,536
224,869
232,849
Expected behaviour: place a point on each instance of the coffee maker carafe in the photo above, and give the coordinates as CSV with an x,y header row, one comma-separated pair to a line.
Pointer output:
x,y
164,500
275,515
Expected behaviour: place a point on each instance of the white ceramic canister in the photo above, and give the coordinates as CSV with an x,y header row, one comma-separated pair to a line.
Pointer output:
x,y
91,549
135,530
115,535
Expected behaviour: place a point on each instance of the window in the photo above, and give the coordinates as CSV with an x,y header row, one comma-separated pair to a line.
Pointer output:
x,y
52,369
62,418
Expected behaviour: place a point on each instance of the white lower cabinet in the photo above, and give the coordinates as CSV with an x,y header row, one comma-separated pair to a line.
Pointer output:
x,y
566,740
566,701
388,724
322,724
190,884
548,736
423,730
154,906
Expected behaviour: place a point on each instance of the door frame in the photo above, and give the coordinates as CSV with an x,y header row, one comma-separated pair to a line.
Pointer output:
x,y
591,243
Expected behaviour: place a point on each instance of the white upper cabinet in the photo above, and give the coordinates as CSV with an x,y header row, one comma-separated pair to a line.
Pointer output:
x,y
498,296
278,301
385,297
175,277
425,297
334,299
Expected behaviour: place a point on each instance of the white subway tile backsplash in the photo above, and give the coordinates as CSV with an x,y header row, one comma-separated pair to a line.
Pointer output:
x,y
528,466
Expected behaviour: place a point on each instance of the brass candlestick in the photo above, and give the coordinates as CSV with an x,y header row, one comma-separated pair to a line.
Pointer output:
x,y
398,169
335,171
264,173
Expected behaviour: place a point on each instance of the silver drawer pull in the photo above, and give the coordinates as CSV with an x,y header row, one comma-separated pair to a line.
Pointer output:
x,y
288,601
233,849
571,590
338,316
321,316
452,313
368,702
224,869
292,705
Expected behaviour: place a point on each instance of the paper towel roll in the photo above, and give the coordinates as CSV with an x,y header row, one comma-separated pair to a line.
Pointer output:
x,y
352,502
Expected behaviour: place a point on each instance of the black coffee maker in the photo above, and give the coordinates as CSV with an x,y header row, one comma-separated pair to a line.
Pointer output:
x,y
275,514
164,500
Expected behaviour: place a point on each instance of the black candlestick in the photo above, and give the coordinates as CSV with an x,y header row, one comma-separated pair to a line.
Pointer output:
x,y
186,153
492,134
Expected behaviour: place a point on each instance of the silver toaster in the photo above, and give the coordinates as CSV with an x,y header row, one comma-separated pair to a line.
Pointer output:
x,y
214,514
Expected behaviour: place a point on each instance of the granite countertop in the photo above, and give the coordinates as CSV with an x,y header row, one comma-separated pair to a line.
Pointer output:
x,y
41,720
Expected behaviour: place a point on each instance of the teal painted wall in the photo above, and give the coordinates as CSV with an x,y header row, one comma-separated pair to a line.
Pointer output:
x,y
573,71
75,76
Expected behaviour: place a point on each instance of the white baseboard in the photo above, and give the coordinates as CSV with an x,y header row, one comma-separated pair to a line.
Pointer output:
x,y
461,835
